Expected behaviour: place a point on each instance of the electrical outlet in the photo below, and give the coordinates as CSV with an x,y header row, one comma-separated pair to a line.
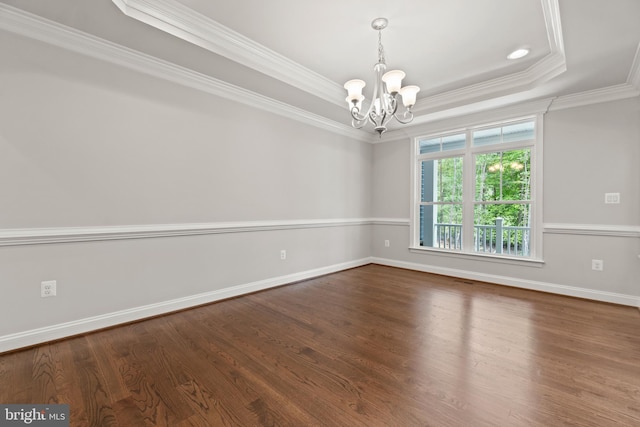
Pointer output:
x,y
387,244
612,198
48,289
597,264
283,254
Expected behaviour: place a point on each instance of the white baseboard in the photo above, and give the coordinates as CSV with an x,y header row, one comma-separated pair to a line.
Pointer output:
x,y
80,326
553,288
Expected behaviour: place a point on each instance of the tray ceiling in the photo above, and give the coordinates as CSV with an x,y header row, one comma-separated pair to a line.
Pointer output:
x,y
300,53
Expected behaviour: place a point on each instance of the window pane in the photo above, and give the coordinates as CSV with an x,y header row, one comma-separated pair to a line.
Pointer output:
x,y
434,145
502,228
453,142
508,133
503,175
441,180
518,132
487,136
441,226
429,145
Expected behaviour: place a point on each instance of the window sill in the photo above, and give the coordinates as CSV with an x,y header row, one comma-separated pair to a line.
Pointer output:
x,y
528,262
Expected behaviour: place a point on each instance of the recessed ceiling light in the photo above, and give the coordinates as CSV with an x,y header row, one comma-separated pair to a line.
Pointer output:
x,y
518,53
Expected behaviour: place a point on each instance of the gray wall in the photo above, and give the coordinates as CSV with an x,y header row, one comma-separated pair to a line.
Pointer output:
x,y
85,143
588,151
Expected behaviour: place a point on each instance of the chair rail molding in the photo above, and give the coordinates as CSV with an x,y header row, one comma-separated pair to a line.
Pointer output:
x,y
593,229
36,236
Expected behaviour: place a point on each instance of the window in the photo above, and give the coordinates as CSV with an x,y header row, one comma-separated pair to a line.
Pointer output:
x,y
475,190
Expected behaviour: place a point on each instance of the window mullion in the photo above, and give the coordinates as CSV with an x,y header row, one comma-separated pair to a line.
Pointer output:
x,y
468,196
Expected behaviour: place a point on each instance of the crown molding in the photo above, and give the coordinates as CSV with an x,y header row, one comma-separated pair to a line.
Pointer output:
x,y
469,115
35,27
634,73
189,25
595,96
183,22
550,66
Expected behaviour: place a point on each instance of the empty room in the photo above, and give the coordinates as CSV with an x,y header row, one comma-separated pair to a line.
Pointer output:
x,y
340,213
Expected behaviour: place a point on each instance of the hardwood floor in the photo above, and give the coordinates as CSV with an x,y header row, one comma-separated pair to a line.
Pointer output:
x,y
372,346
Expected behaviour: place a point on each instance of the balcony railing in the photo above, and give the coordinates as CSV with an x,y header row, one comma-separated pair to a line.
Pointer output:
x,y
495,238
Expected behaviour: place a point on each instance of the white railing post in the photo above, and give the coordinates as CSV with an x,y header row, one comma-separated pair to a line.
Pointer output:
x,y
499,235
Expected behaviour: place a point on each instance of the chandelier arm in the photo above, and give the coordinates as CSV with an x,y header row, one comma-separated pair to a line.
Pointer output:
x,y
356,116
407,117
373,118
358,124
393,104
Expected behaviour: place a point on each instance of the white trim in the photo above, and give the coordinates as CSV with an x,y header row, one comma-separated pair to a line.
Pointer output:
x,y
536,190
80,326
548,228
193,27
593,229
33,236
605,94
479,114
183,22
634,74
550,67
479,256
35,27
553,288
390,221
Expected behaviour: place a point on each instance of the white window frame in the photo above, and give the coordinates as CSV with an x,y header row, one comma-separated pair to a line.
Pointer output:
x,y
468,154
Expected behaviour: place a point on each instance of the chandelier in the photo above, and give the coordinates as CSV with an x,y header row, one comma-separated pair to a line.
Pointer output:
x,y
384,104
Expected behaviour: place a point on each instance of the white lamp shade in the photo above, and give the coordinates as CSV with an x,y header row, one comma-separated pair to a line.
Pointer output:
x,y
354,88
393,80
408,94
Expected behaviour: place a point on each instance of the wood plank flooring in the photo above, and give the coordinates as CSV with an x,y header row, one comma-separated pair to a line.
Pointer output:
x,y
371,346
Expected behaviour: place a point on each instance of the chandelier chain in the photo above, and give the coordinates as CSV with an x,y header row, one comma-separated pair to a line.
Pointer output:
x,y
381,58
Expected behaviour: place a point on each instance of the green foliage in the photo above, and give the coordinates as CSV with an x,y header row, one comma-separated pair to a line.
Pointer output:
x,y
502,190
503,176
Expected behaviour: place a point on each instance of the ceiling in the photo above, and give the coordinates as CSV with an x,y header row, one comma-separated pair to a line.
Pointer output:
x,y
299,54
